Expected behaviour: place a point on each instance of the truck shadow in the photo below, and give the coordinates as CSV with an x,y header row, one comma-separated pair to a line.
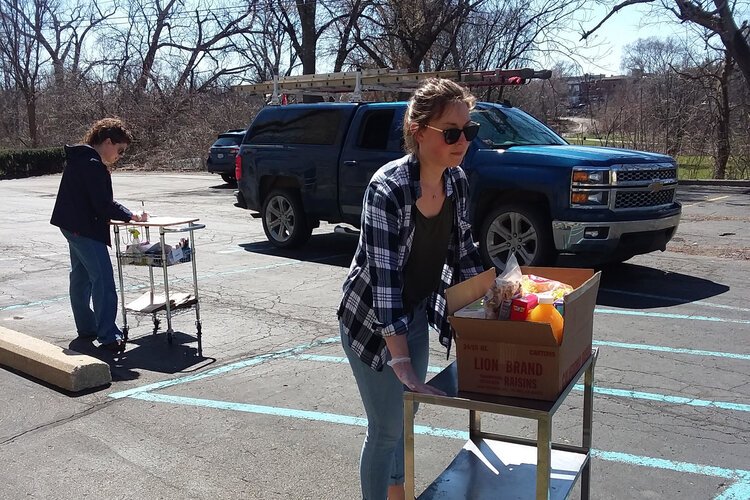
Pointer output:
x,y
623,285
638,287
333,249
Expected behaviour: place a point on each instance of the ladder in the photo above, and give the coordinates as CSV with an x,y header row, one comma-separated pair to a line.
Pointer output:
x,y
356,82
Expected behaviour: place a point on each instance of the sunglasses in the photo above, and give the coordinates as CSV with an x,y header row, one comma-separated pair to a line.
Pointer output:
x,y
452,135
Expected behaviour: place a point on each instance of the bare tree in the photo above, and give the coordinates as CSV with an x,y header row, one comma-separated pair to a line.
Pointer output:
x,y
401,33
715,76
21,56
305,25
717,16
657,63
61,31
266,46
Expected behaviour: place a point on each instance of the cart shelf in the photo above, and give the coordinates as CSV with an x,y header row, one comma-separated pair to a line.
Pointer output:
x,y
490,469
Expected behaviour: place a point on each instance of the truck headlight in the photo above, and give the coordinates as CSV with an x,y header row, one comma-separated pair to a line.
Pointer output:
x,y
589,198
583,176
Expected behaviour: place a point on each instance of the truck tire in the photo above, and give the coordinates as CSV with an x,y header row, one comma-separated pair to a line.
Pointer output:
x,y
519,229
284,220
229,179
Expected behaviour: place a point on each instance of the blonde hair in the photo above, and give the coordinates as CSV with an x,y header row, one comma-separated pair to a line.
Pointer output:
x,y
428,102
108,128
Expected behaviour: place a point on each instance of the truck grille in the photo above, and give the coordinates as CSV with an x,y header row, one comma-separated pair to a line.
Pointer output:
x,y
641,199
646,174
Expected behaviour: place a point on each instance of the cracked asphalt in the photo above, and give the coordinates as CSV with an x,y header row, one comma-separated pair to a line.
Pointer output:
x,y
271,412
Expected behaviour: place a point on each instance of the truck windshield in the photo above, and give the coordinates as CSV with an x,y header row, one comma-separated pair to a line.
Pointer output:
x,y
503,128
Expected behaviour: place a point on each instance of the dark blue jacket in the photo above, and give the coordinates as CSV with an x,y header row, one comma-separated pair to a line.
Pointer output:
x,y
84,202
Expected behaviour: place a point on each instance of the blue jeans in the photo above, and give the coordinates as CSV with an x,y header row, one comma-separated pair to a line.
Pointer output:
x,y
382,460
92,281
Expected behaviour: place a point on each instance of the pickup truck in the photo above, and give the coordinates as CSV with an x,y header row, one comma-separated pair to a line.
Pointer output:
x,y
532,193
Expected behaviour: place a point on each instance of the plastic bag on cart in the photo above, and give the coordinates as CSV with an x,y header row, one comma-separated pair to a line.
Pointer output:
x,y
498,298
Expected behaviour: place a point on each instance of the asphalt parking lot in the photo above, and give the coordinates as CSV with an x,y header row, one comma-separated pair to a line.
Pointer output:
x,y
271,411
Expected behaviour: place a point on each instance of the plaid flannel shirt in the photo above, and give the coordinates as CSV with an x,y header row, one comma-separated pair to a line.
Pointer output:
x,y
372,307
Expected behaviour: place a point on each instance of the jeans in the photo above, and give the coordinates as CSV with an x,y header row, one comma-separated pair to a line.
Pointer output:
x,y
382,458
92,281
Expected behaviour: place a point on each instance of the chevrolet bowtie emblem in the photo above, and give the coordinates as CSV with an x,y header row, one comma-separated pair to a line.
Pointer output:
x,y
656,186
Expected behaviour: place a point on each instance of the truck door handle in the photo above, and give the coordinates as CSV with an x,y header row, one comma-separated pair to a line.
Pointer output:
x,y
350,163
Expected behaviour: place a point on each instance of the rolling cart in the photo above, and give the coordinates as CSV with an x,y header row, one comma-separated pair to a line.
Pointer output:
x,y
164,256
492,466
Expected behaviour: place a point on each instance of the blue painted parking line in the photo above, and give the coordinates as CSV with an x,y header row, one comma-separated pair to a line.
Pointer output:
x,y
690,317
740,490
672,350
223,369
649,396
676,300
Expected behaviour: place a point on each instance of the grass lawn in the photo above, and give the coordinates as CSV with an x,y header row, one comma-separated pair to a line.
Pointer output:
x,y
690,167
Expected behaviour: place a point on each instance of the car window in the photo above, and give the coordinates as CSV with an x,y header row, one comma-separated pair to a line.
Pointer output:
x,y
376,129
227,141
296,126
503,128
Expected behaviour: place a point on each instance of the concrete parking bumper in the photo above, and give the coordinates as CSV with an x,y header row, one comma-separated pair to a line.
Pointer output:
x,y
60,367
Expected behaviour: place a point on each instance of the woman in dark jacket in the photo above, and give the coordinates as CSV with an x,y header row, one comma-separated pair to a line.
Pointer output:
x,y
83,209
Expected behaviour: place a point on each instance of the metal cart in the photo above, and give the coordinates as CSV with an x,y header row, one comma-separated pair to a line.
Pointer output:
x,y
492,466
165,256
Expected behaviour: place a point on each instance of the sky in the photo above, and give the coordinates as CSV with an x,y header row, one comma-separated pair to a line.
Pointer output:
x,y
625,27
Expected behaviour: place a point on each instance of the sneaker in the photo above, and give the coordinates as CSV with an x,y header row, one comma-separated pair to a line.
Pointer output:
x,y
115,347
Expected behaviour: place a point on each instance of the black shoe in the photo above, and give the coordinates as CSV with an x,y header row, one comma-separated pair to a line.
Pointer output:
x,y
115,347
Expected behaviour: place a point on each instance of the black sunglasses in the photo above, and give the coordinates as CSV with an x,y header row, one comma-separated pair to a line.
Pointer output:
x,y
452,135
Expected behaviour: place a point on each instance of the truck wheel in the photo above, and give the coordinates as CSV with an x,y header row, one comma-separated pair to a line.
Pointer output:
x,y
229,179
284,220
518,229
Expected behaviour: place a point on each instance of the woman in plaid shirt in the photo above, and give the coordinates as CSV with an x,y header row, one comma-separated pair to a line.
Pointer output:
x,y
415,242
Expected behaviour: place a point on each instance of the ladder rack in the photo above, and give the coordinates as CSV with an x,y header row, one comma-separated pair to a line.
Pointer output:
x,y
357,82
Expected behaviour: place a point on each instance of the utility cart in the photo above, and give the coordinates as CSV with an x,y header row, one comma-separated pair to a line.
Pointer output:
x,y
137,249
492,466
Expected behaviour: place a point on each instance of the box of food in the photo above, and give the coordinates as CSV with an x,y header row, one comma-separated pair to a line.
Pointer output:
x,y
522,358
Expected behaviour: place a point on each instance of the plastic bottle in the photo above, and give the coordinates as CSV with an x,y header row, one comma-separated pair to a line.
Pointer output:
x,y
545,312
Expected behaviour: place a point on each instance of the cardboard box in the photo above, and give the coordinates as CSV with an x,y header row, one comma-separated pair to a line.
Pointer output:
x,y
522,358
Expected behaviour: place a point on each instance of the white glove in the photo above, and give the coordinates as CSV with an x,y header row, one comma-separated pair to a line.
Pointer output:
x,y
405,373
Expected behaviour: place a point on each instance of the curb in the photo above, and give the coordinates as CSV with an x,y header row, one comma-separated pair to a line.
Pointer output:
x,y
60,367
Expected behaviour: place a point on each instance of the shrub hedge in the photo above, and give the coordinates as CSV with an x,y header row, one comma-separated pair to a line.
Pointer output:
x,y
19,163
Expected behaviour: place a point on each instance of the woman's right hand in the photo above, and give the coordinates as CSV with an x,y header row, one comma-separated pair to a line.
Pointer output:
x,y
406,375
139,217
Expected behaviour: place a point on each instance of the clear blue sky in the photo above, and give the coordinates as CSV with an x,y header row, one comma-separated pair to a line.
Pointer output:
x,y
624,28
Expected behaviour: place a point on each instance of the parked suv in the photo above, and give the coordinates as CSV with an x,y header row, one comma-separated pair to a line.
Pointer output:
x,y
532,193
222,153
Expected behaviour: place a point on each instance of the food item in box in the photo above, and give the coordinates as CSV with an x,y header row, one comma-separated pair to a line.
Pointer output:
x,y
560,306
545,312
531,283
520,307
504,288
473,310
498,297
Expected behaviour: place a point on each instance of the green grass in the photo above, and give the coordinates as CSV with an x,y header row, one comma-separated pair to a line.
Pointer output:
x,y
690,167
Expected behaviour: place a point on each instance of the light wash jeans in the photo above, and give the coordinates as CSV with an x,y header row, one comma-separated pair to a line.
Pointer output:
x,y
92,281
382,459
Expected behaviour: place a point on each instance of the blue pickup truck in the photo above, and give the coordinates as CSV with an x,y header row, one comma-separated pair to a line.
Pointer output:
x,y
532,193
